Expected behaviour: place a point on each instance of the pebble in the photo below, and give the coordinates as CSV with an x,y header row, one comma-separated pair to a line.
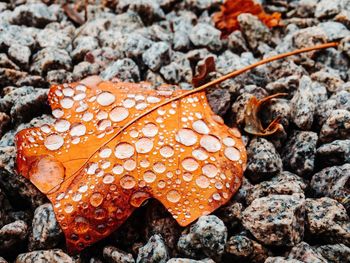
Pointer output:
x,y
219,101
12,235
205,35
20,54
334,153
231,214
335,253
157,55
336,127
49,37
283,212
123,69
83,45
114,255
305,253
84,69
46,232
148,10
12,34
187,260
155,251
45,256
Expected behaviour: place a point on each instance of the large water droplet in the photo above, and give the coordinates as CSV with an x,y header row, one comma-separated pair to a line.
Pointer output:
x,y
124,150
200,154
67,103
129,103
228,141
129,165
200,127
118,169
87,116
118,114
210,170
127,182
189,164
202,181
57,113
78,129
144,145
108,179
105,98
53,142
232,154
152,99
159,167
149,177
150,130
96,199
186,137
173,196
210,143
166,151
138,198
62,125
69,92
81,225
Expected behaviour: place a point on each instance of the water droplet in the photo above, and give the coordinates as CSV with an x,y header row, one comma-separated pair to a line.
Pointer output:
x,y
129,165
144,145
45,128
104,124
127,182
129,103
138,198
124,150
105,98
187,177
68,208
173,196
105,152
189,164
210,143
161,184
228,141
118,114
232,154
96,199
141,106
118,169
108,179
100,213
200,154
159,167
200,127
217,119
78,129
83,189
76,197
144,163
210,170
235,132
150,130
186,137
57,113
217,197
101,115
81,225
69,92
87,116
79,96
67,103
134,133
92,168
202,181
149,177
61,125
53,142
166,151
152,99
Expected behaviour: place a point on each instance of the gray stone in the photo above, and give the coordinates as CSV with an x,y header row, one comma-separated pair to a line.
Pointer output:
x,y
327,220
46,231
205,237
84,69
219,101
299,152
227,62
45,256
123,69
205,35
54,38
230,214
337,126
187,260
61,76
12,34
5,62
12,235
236,42
334,30
155,251
345,45
264,161
157,55
201,5
50,58
179,70
305,253
334,153
276,219
114,255
335,253
326,8
281,260
35,14
103,56
83,45
330,78
309,36
19,54
148,10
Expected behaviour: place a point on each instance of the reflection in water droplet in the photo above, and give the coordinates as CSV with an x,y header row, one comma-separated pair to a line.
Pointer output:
x,y
81,225
144,145
78,130
202,181
173,196
189,164
159,167
118,114
53,142
138,198
200,154
127,182
105,152
166,151
210,143
129,165
124,150
232,154
96,199
149,177
105,98
66,103
200,127
210,170
186,137
108,179
150,130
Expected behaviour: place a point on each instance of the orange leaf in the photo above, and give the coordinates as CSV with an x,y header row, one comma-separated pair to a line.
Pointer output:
x,y
226,18
203,71
102,158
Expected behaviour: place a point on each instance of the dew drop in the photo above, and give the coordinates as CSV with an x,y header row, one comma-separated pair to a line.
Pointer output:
x,y
105,98
159,167
127,182
228,141
129,103
45,128
76,197
53,142
118,169
202,181
138,198
200,127
101,115
189,164
210,170
161,184
81,225
150,130
152,99
217,197
129,165
173,196
87,116
210,143
166,151
78,129
96,199
61,125
83,189
92,168
108,179
144,145
66,103
187,177
68,208
144,163
79,96
105,152
57,113
118,114
200,154
232,154
104,124
141,106
124,150
186,137
149,177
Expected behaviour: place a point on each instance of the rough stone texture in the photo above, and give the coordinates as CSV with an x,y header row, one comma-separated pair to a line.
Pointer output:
x,y
333,182
335,253
205,237
46,233
263,160
114,255
334,153
12,235
83,45
20,54
155,251
337,126
300,151
157,55
276,220
207,36
305,253
187,260
45,256
327,219
123,69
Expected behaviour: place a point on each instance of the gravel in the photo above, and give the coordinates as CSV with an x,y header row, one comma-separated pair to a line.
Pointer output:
x,y
293,205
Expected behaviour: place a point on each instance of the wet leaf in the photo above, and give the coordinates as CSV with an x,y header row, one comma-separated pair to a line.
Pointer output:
x,y
252,120
226,18
108,152
203,71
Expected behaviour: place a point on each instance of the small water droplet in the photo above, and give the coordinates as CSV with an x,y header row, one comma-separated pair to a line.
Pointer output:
x,y
105,152
81,225
105,98
200,154
144,145
118,114
159,167
76,197
210,170
161,184
83,189
118,169
108,179
150,130
149,177
53,142
144,163
127,182
87,116
129,103
187,177
68,208
173,196
57,113
202,181
129,165
166,151
152,99
200,127
228,141
189,164
186,137
96,199
67,103
232,154
124,150
210,143
78,129
138,198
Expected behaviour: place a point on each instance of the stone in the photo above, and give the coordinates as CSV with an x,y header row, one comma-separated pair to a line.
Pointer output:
x,y
236,42
35,14
206,237
45,256
305,253
334,153
335,31
331,79
283,212
50,58
155,251
62,76
309,36
12,34
84,69
12,235
231,214
4,122
325,9
103,56
54,38
300,151
179,70
254,30
227,62
281,260
205,35
46,231
285,183
335,253
327,220
336,127
148,10
345,45
123,69
114,255
83,45
157,55
264,161
219,101
187,260
20,54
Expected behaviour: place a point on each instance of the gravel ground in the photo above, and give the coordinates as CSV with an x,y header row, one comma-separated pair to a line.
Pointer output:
x,y
294,203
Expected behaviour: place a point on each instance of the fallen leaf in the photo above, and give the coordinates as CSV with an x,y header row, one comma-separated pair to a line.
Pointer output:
x,y
226,18
203,71
252,120
73,14
108,152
